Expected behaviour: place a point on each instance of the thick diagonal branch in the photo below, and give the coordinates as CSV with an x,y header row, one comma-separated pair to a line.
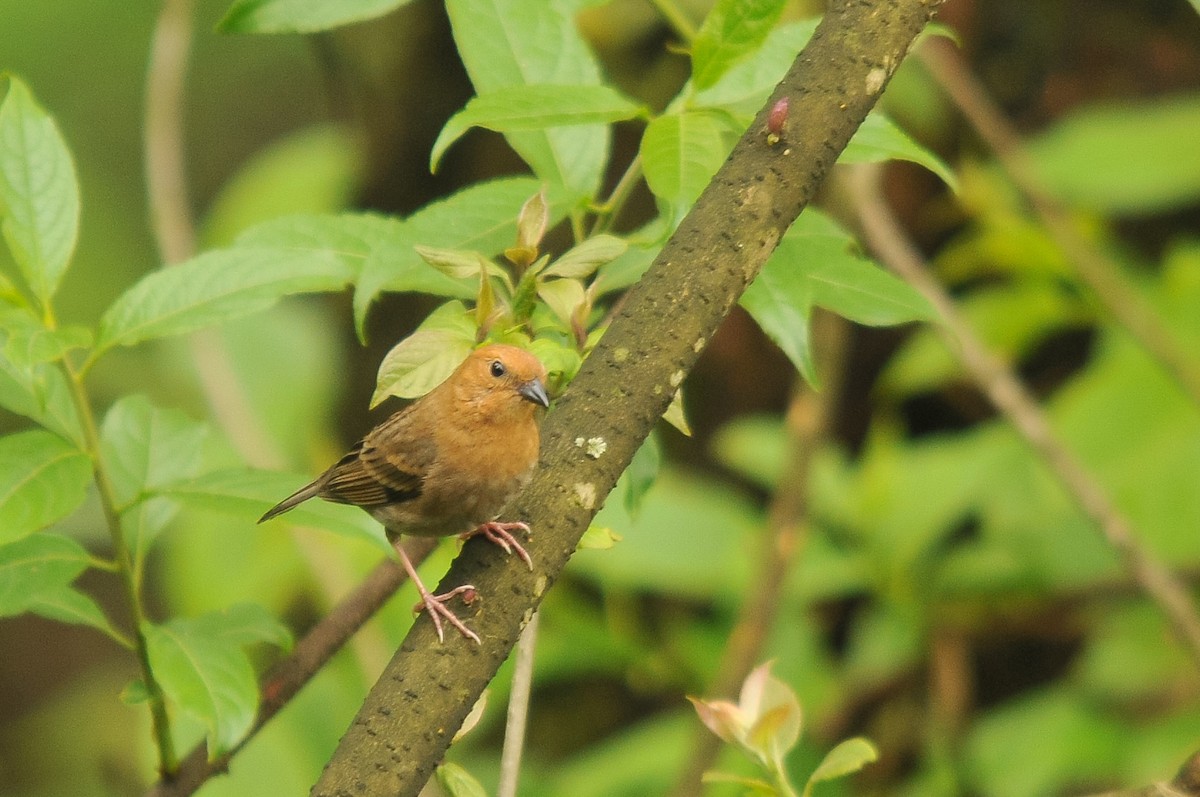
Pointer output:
x,y
409,717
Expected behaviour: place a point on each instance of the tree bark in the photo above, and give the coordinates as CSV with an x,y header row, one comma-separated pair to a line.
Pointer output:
x,y
409,717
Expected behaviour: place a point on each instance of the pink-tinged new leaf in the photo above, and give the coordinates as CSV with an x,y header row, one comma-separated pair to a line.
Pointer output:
x,y
722,718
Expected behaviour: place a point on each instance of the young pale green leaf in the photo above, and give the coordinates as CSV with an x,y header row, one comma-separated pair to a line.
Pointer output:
x,y
482,217
145,447
780,302
457,264
676,416
532,222
535,108
144,521
457,782
598,538
744,88
39,194
42,479
206,676
424,359
507,43
879,139
40,565
215,287
732,31
563,296
40,393
847,758
562,360
301,16
581,261
247,494
681,152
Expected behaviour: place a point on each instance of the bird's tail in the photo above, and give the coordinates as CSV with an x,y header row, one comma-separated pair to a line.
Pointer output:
x,y
300,496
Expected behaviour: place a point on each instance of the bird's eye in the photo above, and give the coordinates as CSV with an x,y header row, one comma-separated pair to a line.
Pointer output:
x,y
497,369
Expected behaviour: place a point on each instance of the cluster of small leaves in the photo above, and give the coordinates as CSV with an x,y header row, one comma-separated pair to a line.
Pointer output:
x,y
765,724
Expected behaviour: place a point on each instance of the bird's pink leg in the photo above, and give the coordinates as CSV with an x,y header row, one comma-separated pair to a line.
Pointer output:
x,y
501,534
436,604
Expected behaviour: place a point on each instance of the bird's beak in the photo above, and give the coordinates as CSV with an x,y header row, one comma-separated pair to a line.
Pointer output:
x,y
535,391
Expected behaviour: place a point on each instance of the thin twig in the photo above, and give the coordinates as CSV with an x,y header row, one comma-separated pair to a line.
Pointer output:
x,y
518,711
892,247
291,673
808,422
1106,279
676,18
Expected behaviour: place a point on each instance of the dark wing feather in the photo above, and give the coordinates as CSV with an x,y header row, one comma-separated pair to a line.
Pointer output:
x,y
378,470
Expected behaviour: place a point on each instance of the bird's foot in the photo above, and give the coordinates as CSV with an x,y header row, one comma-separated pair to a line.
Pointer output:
x,y
501,534
438,611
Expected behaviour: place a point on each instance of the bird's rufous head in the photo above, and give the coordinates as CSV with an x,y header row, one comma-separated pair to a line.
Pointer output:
x,y
502,380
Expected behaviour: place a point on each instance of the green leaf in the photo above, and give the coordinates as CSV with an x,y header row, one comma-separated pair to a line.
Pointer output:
x,y
67,605
208,677
579,262
535,108
507,43
457,782
816,263
563,296
42,394
1135,157
145,447
482,217
847,758
245,624
681,152
248,494
879,139
42,479
38,566
27,343
424,359
215,287
39,194
732,30
744,88
301,16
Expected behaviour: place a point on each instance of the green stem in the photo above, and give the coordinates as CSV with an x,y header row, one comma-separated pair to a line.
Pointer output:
x,y
675,17
168,762
606,214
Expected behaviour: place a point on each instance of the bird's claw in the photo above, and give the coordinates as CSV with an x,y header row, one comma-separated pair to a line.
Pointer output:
x,y
501,534
436,606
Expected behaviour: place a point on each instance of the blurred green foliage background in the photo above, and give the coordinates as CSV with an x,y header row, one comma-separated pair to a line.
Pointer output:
x,y
950,602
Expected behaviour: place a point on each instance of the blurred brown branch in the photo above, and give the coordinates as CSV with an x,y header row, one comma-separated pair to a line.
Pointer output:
x,y
1122,300
887,240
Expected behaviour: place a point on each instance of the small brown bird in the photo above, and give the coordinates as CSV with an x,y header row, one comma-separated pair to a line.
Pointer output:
x,y
447,463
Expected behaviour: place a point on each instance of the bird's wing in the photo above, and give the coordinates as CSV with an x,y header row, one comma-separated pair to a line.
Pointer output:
x,y
386,467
